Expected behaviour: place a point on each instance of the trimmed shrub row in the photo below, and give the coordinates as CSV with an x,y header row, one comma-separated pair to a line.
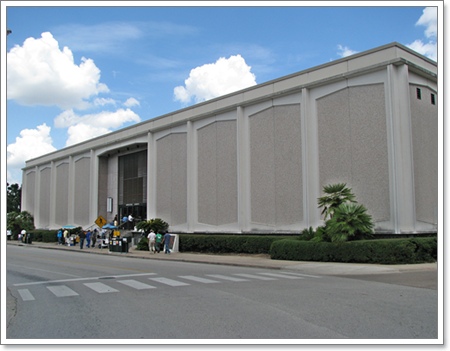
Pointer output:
x,y
382,251
227,243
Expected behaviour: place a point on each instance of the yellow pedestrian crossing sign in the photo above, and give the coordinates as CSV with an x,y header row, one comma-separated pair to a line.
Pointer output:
x,y
100,221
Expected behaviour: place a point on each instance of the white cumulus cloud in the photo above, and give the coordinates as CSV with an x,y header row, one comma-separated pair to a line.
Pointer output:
x,y
429,20
30,144
81,128
104,101
131,102
428,48
40,73
344,51
216,79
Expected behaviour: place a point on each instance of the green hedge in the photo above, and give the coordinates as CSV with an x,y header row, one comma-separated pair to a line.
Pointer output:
x,y
384,251
250,244
46,236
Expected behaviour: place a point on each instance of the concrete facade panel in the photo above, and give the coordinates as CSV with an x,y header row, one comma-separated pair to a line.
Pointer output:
x,y
217,173
171,178
370,166
353,145
82,191
288,165
207,175
226,173
334,138
262,168
276,167
425,151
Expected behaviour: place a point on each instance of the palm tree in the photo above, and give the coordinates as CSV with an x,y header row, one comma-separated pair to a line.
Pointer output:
x,y
155,224
336,194
349,220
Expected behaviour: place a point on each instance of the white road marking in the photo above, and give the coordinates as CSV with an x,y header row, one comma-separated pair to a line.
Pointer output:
x,y
198,279
224,277
303,275
254,276
279,275
25,295
100,287
167,281
136,284
61,291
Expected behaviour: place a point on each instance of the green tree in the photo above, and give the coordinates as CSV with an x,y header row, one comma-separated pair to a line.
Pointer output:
x,y
16,221
13,198
336,194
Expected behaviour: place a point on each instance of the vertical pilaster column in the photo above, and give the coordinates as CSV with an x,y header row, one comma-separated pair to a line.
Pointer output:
x,y
310,146
93,211
192,177
71,192
151,176
243,151
37,197
400,147
53,190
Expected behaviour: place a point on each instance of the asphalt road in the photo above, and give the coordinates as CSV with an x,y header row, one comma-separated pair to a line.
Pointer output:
x,y
79,298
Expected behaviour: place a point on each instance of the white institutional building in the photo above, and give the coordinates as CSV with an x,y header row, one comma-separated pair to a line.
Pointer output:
x,y
256,161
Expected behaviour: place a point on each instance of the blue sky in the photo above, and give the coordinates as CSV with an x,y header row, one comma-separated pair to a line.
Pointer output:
x,y
77,72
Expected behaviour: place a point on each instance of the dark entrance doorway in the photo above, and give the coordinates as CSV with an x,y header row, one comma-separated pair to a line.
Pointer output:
x,y
138,211
133,187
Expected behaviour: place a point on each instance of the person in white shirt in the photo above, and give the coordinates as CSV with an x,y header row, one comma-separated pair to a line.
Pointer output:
x,y
130,221
151,241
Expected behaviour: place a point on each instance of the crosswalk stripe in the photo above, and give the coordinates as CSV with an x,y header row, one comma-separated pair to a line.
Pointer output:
x,y
198,279
303,275
224,277
136,284
167,281
61,291
254,276
26,295
100,287
279,275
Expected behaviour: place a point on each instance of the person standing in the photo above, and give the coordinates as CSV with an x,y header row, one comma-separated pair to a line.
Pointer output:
x,y
66,237
130,221
82,236
166,241
94,237
23,235
158,241
151,241
60,236
115,221
88,238
9,234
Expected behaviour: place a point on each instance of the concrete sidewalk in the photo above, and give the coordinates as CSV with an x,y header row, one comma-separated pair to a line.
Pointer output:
x,y
262,261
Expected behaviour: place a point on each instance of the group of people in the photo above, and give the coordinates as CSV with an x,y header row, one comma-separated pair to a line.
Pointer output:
x,y
88,235
156,240
127,221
